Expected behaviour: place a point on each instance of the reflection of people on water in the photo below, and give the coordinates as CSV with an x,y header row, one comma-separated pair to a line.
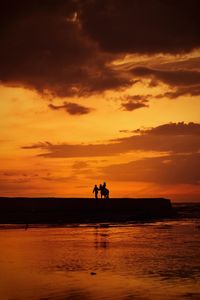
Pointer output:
x,y
101,238
104,192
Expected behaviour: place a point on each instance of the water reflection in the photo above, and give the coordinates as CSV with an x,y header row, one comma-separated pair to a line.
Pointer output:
x,y
133,262
101,237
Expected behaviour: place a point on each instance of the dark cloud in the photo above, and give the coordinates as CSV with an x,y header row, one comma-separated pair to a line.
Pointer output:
x,y
135,102
133,105
143,26
65,47
72,108
39,44
43,47
173,138
172,169
79,150
180,128
173,78
183,82
181,91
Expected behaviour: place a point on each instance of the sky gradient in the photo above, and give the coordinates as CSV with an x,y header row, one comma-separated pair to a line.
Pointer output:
x,y
95,91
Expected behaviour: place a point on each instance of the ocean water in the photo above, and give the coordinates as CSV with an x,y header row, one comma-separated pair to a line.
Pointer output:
x,y
158,260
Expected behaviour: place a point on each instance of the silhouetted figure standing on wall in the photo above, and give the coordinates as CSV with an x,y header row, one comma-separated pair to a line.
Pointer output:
x,y
95,191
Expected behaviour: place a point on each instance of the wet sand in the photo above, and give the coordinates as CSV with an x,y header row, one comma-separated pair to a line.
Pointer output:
x,y
149,261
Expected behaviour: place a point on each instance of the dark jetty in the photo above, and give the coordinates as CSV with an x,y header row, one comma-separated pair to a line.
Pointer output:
x,y
82,210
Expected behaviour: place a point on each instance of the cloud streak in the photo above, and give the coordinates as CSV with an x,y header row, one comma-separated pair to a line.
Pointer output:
x,y
172,138
172,129
172,78
72,108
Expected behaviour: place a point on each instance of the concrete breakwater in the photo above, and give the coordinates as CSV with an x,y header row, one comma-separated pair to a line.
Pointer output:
x,y
69,210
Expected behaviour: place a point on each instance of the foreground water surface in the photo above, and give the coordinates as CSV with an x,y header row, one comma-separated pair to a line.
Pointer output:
x,y
158,260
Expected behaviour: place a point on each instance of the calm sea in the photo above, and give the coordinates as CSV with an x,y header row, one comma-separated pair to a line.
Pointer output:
x,y
158,260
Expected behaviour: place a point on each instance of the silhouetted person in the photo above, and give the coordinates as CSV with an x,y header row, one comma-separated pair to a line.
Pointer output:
x,y
95,191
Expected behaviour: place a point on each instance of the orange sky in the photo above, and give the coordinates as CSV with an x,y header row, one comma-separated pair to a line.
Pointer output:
x,y
77,110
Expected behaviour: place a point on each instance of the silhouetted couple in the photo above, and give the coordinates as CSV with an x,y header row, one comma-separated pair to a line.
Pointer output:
x,y
104,192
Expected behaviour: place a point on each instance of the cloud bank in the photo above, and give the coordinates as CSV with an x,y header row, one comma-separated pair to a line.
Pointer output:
x,y
66,47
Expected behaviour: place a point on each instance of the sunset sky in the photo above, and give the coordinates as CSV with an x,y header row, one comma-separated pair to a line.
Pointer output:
x,y
100,90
